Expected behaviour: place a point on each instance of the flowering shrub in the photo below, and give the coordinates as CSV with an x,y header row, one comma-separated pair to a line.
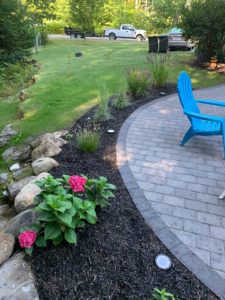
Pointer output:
x,y
65,204
27,239
77,183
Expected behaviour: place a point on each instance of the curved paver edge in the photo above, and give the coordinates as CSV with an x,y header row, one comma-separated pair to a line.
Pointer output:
x,y
202,271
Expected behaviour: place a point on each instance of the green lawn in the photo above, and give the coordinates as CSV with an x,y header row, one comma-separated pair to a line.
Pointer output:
x,y
67,86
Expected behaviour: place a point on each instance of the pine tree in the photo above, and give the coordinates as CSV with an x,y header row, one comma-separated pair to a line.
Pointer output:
x,y
16,32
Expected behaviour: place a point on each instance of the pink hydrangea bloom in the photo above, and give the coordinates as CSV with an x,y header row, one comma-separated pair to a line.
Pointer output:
x,y
77,183
27,239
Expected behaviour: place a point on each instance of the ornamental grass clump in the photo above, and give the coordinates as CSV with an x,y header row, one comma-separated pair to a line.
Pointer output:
x,y
64,205
88,139
122,100
160,68
102,113
138,81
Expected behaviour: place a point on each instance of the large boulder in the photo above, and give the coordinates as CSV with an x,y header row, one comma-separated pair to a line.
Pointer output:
x,y
43,164
15,188
7,242
52,137
6,134
19,153
17,280
25,198
26,171
45,149
25,218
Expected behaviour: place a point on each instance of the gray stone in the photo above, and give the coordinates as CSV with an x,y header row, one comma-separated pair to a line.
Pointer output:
x,y
6,214
45,149
19,153
15,167
7,242
15,188
25,218
24,172
3,178
44,164
25,198
6,134
59,134
5,210
54,138
17,280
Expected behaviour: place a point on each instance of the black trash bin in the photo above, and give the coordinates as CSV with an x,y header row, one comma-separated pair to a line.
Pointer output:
x,y
158,43
153,43
163,43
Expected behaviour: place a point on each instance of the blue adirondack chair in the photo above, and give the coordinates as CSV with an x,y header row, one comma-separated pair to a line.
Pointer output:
x,y
201,124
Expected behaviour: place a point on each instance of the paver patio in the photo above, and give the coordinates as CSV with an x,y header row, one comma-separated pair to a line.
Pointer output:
x,y
180,185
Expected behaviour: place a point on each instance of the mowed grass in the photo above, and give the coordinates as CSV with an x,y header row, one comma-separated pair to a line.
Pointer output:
x,y
67,86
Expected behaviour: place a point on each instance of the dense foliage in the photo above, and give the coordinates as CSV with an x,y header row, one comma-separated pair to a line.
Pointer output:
x,y
16,32
64,205
203,21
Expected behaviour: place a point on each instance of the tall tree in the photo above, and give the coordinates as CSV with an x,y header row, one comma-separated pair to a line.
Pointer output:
x,y
16,33
203,21
40,10
165,14
86,14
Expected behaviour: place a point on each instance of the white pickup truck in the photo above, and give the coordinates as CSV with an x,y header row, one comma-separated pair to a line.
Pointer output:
x,y
125,31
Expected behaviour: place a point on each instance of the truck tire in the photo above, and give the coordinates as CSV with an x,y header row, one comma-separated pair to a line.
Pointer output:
x,y
112,36
79,36
139,38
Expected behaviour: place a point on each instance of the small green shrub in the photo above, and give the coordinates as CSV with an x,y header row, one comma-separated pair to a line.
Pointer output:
x,y
162,295
102,113
137,81
88,139
64,205
159,65
122,100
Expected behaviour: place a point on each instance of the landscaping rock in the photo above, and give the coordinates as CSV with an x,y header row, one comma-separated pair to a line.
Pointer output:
x,y
5,210
6,134
14,167
59,134
3,178
6,213
7,242
17,280
24,172
52,137
15,188
45,149
19,153
25,198
44,164
25,218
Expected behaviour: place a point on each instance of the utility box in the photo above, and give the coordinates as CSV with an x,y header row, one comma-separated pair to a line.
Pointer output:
x,y
158,43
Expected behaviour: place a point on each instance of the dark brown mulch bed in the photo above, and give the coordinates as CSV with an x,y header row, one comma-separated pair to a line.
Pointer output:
x,y
113,259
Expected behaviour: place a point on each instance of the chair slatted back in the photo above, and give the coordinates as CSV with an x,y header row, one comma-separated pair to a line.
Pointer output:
x,y
186,96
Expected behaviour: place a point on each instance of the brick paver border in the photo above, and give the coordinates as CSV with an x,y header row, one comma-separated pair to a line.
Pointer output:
x,y
208,276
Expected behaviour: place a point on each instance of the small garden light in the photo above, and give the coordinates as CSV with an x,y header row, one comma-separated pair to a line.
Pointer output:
x,y
111,131
163,261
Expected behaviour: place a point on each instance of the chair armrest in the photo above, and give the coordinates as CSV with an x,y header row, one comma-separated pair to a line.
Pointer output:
x,y
204,117
211,102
